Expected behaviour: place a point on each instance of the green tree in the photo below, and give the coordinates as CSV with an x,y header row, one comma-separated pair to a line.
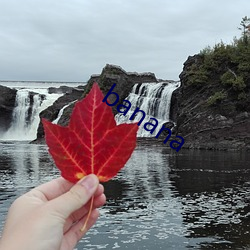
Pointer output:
x,y
245,28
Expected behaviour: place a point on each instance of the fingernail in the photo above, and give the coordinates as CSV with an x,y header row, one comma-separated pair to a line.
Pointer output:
x,y
89,182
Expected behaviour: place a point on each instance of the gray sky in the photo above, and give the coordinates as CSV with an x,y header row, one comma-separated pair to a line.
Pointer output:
x,y
68,40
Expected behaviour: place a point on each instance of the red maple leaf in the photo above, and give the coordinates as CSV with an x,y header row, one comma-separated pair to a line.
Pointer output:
x,y
92,142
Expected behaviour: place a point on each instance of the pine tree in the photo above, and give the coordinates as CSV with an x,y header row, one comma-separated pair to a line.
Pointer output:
x,y
245,28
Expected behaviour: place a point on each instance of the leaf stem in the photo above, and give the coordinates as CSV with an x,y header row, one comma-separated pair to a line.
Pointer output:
x,y
88,216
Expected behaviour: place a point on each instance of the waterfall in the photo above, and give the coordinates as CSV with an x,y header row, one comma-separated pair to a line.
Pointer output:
x,y
154,99
25,117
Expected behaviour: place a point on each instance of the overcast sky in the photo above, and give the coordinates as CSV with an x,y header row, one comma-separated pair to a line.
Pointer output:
x,y
68,40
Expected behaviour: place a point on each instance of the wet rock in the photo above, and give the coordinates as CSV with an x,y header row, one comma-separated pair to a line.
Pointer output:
x,y
64,89
52,112
242,116
7,105
60,90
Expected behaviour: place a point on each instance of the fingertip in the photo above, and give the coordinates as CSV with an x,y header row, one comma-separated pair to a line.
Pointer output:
x,y
103,199
100,201
99,190
101,187
90,182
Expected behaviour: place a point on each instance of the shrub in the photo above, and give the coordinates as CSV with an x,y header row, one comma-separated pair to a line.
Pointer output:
x,y
206,51
239,84
236,82
197,75
216,98
227,78
242,96
244,68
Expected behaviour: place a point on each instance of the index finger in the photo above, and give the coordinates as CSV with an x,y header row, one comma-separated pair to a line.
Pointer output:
x,y
54,188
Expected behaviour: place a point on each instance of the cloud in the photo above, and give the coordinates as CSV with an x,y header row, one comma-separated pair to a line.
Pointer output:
x,y
70,40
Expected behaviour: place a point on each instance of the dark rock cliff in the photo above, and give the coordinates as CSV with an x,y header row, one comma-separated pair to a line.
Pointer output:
x,y
124,81
206,117
7,104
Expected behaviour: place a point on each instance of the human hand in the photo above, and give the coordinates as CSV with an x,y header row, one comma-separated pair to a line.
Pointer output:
x,y
50,216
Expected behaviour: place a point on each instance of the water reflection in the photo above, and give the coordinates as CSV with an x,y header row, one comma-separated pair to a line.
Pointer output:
x,y
214,187
160,200
141,207
22,167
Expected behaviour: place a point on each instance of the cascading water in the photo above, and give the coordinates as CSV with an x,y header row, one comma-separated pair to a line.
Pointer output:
x,y
20,112
25,117
154,99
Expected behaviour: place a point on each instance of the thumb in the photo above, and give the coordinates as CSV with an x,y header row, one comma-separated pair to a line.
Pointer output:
x,y
76,197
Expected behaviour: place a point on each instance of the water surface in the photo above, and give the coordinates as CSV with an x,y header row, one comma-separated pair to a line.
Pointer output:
x,y
160,200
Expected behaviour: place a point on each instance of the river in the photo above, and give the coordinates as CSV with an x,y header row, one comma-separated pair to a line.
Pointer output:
x,y
160,200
